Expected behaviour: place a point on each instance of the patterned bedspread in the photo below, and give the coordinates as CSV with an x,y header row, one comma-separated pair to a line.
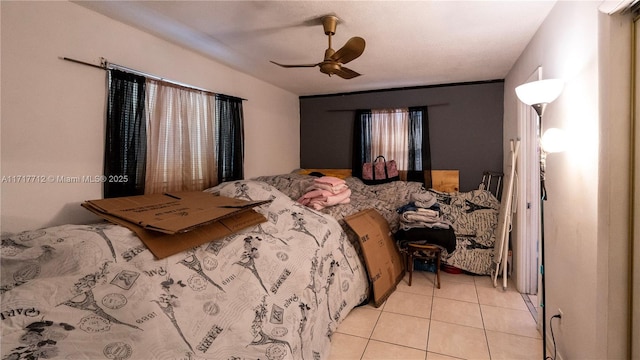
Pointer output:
x,y
473,214
274,291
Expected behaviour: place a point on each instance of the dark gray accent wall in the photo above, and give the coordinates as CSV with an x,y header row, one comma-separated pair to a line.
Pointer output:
x,y
465,125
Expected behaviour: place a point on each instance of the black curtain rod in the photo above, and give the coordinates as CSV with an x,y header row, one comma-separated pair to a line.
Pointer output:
x,y
420,87
105,65
352,110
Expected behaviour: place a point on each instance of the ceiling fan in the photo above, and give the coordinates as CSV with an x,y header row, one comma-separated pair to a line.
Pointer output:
x,y
333,60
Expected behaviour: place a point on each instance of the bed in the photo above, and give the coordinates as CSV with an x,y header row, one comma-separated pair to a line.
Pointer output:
x,y
274,291
473,214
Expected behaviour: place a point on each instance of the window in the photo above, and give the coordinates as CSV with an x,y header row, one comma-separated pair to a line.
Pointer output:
x,y
165,137
180,140
390,135
400,134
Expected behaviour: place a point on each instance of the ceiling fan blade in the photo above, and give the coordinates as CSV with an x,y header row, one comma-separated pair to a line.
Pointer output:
x,y
294,66
351,50
346,73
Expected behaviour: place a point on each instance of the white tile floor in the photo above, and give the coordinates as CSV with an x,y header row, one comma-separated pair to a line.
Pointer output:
x,y
467,318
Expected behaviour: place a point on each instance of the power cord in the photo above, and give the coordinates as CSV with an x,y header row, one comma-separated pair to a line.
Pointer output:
x,y
555,352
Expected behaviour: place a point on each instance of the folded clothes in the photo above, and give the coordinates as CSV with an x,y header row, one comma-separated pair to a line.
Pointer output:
x,y
423,200
420,215
412,207
423,218
407,207
425,224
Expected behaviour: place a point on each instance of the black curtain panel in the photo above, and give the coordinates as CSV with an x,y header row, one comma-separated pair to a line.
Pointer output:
x,y
229,138
361,152
125,145
419,147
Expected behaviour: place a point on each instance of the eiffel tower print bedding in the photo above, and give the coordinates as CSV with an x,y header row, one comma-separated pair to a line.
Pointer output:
x,y
274,291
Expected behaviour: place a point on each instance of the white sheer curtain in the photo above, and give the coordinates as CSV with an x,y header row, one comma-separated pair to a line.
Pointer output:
x,y
180,146
390,135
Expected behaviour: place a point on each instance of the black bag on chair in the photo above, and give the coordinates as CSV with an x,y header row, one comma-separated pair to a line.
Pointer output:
x,y
380,171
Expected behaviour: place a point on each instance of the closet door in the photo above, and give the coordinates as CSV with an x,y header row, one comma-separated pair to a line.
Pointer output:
x,y
527,216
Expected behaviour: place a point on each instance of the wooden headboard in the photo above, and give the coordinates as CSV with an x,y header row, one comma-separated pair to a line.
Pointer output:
x,y
442,180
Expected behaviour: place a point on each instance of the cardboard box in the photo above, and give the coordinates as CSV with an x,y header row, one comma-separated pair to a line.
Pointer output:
x,y
382,257
170,223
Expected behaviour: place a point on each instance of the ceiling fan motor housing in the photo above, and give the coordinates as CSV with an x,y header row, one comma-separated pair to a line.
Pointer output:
x,y
329,23
329,67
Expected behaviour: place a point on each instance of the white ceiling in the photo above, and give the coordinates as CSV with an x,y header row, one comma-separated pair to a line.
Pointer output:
x,y
408,43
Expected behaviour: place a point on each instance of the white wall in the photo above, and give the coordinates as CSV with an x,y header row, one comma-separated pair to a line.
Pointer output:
x,y
614,194
52,111
585,215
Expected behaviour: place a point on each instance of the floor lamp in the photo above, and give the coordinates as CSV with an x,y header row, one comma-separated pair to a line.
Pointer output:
x,y
538,94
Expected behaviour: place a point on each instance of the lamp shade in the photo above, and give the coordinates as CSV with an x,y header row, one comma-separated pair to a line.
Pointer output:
x,y
540,92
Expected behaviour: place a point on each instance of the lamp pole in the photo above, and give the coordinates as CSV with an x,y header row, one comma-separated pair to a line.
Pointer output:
x,y
538,94
543,198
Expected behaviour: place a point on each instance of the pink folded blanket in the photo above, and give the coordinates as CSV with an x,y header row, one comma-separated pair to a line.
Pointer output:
x,y
333,189
329,183
319,199
313,194
320,203
329,180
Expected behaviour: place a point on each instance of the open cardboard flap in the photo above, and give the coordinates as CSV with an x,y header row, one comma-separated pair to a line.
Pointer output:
x,y
382,258
171,223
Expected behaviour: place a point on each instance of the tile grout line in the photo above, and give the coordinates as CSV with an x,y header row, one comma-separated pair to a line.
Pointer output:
x,y
530,306
433,293
484,329
372,330
365,348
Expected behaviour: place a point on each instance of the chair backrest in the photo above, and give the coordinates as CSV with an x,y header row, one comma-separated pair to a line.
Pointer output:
x,y
492,182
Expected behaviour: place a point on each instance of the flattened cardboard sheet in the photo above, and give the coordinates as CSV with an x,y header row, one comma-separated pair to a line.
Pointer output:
x,y
171,213
231,215
384,263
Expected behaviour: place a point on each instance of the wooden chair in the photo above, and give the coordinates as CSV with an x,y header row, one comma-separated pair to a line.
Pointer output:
x,y
424,252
